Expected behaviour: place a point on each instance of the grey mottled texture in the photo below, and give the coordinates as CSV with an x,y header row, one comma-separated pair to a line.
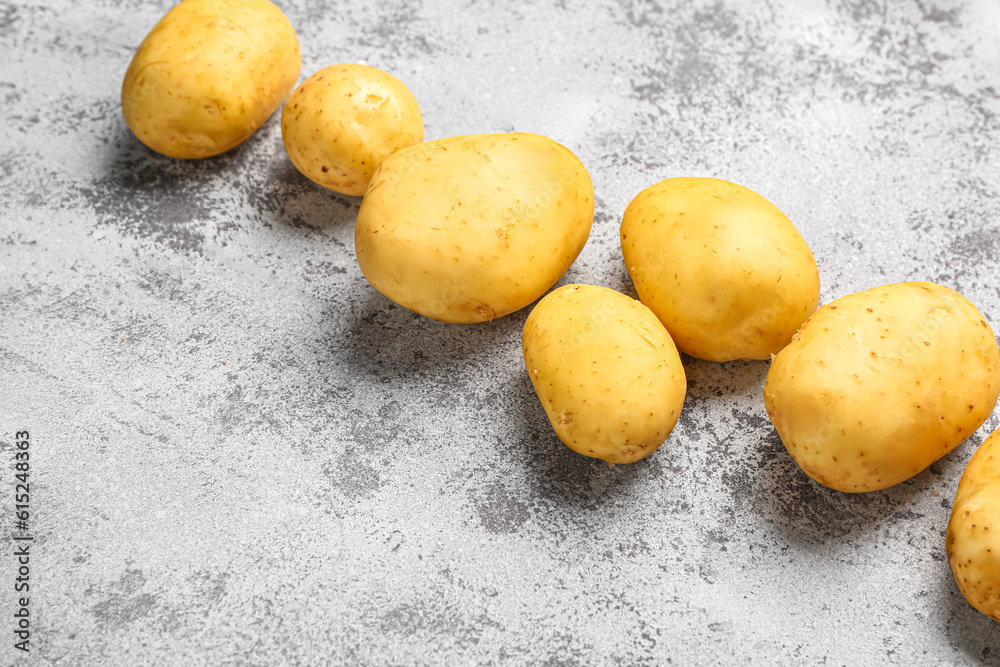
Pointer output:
x,y
242,454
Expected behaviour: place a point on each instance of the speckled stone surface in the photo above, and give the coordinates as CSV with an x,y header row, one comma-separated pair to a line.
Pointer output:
x,y
244,455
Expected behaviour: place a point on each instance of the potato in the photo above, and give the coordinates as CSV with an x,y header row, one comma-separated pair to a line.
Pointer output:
x,y
606,372
725,271
880,384
466,229
208,75
344,120
973,541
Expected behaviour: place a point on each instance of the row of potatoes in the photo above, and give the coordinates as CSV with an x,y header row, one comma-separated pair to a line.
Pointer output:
x,y
865,391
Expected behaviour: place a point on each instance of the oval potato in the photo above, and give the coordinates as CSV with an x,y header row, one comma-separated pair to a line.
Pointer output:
x,y
344,120
725,271
208,75
880,384
973,538
466,229
605,370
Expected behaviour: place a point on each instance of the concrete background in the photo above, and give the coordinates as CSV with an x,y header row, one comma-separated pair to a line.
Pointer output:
x,y
244,455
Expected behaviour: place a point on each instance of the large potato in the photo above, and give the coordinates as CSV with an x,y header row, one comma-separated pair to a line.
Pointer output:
x,y
344,120
973,542
880,384
725,271
470,228
208,75
606,372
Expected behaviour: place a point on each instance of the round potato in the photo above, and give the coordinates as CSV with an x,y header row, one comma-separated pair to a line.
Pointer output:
x,y
725,271
880,384
470,228
973,540
606,372
344,120
208,75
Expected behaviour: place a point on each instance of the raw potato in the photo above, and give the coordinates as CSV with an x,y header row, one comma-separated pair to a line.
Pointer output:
x,y
973,542
880,384
208,75
344,120
725,271
606,372
470,228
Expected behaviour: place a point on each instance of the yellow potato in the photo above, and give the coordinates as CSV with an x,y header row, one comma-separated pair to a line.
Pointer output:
x,y
880,384
725,271
470,228
208,75
606,372
973,542
344,120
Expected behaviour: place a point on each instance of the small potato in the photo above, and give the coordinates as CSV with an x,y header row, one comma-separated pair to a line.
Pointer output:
x,y
208,75
725,271
880,384
470,228
344,120
606,372
973,541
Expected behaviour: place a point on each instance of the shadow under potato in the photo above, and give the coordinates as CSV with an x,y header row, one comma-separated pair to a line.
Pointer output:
x,y
175,203
293,200
385,339
557,473
806,511
132,163
965,627
763,475
621,279
148,196
561,475
712,379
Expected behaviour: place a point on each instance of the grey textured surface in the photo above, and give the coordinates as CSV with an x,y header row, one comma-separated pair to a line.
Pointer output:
x,y
242,454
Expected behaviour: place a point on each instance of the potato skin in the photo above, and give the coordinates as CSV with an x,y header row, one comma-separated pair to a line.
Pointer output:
x,y
726,272
470,228
344,120
973,538
605,370
880,384
208,75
